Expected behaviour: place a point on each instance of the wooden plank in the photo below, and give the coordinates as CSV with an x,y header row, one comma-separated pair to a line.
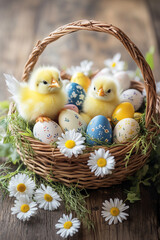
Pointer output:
x,y
25,22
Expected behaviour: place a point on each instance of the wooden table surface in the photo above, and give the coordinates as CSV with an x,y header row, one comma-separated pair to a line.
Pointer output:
x,y
22,23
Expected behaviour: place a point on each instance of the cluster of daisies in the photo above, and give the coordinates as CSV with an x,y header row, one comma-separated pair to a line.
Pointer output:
x,y
28,199
100,162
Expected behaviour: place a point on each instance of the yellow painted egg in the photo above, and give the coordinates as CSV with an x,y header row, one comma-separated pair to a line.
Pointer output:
x,y
69,119
137,116
123,110
125,130
82,80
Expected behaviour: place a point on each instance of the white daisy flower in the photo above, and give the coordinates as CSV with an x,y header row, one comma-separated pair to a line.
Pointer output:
x,y
24,208
67,226
47,198
101,162
21,185
114,64
113,211
85,67
71,143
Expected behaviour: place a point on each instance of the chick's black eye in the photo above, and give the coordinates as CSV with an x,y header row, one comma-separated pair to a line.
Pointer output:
x,y
109,90
94,88
45,82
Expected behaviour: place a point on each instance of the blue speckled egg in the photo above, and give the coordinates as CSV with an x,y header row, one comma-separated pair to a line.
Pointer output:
x,y
76,94
99,131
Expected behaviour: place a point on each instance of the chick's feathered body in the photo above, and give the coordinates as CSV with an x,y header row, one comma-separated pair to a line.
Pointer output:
x,y
42,96
102,97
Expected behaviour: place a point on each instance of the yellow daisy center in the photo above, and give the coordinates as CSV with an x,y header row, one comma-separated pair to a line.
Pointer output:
x,y
25,208
70,144
67,225
21,187
114,211
48,197
101,162
113,64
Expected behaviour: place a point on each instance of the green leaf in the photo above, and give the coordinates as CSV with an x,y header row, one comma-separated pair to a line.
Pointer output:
x,y
146,183
132,197
150,57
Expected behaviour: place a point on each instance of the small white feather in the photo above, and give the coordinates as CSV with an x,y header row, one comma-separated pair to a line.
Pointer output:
x,y
12,84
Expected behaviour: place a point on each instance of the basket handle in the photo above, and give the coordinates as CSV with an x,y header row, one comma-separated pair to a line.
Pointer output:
x,y
106,28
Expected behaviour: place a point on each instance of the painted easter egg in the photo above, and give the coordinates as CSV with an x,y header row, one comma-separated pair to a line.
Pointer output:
x,y
137,116
133,96
47,132
71,107
103,72
76,94
123,80
69,120
123,110
82,80
125,130
99,131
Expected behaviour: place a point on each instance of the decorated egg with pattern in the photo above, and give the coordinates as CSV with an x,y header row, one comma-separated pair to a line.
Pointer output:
x,y
123,110
125,130
47,132
76,94
69,120
133,96
71,107
99,131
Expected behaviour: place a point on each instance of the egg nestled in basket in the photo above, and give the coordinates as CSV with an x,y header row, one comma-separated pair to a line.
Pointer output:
x,y
69,119
47,132
99,131
123,110
76,94
125,130
134,97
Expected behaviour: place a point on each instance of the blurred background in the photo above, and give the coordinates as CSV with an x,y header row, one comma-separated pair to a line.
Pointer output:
x,y
24,22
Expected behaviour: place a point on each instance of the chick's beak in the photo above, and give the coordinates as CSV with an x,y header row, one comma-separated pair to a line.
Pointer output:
x,y
54,84
100,92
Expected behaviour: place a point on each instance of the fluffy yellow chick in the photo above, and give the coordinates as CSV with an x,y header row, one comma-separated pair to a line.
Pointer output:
x,y
42,97
82,80
102,97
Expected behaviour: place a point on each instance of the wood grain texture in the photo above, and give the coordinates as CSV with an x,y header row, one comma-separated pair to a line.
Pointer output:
x,y
25,22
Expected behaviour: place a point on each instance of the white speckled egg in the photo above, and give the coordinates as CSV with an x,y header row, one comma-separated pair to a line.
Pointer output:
x,y
125,130
69,120
123,80
133,96
47,132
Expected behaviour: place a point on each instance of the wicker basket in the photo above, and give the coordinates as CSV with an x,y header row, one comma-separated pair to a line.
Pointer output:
x,y
49,162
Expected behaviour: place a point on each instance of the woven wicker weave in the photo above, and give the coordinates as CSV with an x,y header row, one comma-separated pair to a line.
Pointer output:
x,y
48,161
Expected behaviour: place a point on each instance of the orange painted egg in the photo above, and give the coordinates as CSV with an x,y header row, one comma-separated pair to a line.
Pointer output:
x,y
123,110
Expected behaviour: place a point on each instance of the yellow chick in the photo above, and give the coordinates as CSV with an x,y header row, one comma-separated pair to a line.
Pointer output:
x,y
102,97
42,97
82,80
